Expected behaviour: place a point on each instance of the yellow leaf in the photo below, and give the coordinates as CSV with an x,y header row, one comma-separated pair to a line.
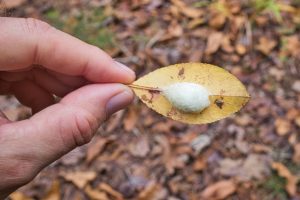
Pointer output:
x,y
228,94
19,196
54,192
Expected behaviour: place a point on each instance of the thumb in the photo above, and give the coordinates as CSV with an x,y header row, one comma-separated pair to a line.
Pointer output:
x,y
58,129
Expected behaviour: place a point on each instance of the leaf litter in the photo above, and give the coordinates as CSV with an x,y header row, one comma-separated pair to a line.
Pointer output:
x,y
260,51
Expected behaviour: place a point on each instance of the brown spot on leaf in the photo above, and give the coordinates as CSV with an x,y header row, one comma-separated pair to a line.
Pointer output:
x,y
144,98
219,103
172,112
181,73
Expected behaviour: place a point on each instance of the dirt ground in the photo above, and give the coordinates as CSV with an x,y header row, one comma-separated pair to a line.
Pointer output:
x,y
138,154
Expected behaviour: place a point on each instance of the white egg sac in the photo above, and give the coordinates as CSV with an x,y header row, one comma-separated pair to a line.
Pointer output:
x,y
187,97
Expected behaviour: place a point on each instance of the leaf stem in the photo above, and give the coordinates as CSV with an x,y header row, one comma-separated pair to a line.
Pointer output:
x,y
144,88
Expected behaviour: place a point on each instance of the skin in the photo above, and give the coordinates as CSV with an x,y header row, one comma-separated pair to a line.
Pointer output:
x,y
38,61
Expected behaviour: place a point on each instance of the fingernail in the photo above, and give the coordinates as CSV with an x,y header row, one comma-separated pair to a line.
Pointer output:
x,y
119,101
127,69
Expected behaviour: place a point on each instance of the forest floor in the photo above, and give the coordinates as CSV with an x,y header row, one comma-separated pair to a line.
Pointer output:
x,y
138,154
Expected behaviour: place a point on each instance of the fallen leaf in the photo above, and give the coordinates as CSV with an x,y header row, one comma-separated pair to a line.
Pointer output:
x,y
296,86
195,22
240,49
265,45
130,119
149,191
292,113
260,148
291,186
201,142
54,192
140,148
109,190
228,94
95,194
253,167
226,44
214,41
200,164
277,73
95,149
297,121
296,156
217,21
80,178
186,10
9,4
19,196
283,126
292,46
219,190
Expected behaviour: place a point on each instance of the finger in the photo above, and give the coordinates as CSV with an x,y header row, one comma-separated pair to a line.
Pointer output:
x,y
54,85
4,87
71,81
31,95
3,119
59,128
51,84
15,76
30,41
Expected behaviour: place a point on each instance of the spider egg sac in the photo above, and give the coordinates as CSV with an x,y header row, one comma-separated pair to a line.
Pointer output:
x,y
187,97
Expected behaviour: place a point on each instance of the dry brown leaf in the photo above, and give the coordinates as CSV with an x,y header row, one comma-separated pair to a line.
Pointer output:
x,y
240,49
109,190
283,126
187,11
226,44
217,21
228,94
9,4
80,178
293,45
219,190
149,191
253,167
266,45
296,86
214,41
95,149
140,148
19,196
195,22
291,186
200,164
94,194
54,192
130,119
297,121
296,156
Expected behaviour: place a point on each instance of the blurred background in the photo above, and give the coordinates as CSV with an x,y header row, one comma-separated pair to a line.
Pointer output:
x,y
138,154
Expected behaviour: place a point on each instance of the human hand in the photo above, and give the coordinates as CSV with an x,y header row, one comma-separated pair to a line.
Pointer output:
x,y
37,61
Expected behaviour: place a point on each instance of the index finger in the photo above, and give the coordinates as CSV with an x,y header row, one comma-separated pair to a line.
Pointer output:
x,y
25,42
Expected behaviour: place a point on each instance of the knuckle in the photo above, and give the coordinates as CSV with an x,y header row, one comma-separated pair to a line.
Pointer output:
x,y
32,25
84,129
18,172
17,168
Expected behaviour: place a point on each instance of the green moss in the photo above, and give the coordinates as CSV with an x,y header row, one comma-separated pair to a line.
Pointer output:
x,y
89,25
268,5
275,185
